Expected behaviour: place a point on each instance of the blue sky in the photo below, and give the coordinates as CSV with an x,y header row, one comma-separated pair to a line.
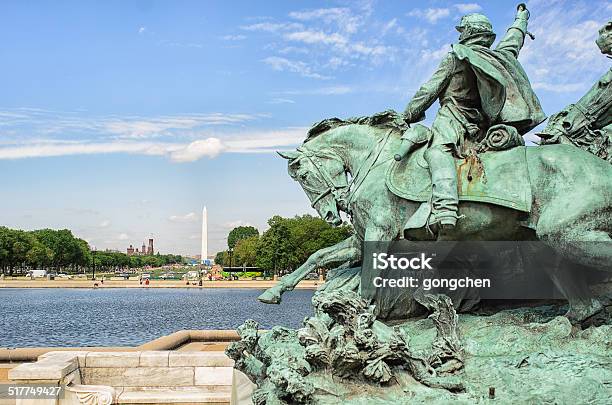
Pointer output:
x,y
120,119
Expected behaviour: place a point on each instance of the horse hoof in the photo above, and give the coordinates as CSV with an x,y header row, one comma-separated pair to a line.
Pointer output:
x,y
586,314
268,297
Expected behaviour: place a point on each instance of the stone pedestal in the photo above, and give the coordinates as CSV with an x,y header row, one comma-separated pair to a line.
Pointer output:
x,y
104,378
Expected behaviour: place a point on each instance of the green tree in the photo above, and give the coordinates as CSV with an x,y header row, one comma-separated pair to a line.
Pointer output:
x,y
309,234
290,241
5,247
245,252
220,258
274,247
62,251
240,233
68,251
20,243
39,255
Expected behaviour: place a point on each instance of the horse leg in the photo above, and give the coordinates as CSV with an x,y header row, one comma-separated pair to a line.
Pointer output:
x,y
573,286
347,250
579,238
582,238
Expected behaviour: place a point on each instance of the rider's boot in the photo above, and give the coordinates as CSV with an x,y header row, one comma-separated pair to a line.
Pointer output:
x,y
444,186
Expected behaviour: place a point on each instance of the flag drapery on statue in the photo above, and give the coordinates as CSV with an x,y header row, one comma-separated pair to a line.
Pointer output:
x,y
505,92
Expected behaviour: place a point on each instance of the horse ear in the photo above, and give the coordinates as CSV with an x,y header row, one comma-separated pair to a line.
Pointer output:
x,y
289,155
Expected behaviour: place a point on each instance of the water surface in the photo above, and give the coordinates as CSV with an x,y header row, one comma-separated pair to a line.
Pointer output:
x,y
40,317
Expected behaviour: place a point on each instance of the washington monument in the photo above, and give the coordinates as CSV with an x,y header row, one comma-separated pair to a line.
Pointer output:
x,y
204,236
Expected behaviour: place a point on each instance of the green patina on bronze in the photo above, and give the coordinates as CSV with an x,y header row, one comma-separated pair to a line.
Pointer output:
x,y
482,178
477,88
395,180
345,341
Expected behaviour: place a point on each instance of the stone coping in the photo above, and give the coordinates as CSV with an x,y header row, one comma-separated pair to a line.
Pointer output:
x,y
169,342
116,368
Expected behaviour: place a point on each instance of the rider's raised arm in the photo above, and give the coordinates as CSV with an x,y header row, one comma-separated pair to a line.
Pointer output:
x,y
430,91
515,36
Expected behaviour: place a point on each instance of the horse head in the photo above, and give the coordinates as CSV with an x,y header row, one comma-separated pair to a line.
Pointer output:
x,y
322,175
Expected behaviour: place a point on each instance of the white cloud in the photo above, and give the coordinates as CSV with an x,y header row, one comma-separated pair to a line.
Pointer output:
x,y
559,87
279,100
233,37
271,27
321,91
284,64
468,7
389,26
50,123
329,36
265,141
564,56
176,44
434,54
292,49
154,127
189,217
142,30
123,236
104,224
342,17
377,50
82,148
236,224
430,14
196,150
315,37
336,62
340,43
245,141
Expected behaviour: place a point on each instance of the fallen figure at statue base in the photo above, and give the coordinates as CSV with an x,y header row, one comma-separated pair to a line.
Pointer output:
x,y
343,356
345,341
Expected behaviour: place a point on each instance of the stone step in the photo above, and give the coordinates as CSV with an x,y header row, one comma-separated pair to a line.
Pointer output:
x,y
176,395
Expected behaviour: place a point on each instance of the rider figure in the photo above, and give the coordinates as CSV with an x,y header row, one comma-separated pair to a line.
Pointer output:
x,y
466,110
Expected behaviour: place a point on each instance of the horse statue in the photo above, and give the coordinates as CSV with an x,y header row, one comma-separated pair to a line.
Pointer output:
x,y
558,194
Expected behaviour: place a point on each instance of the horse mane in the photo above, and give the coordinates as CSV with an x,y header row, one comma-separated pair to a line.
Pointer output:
x,y
389,119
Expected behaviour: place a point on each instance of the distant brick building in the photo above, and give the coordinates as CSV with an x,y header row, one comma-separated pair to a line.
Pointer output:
x,y
143,251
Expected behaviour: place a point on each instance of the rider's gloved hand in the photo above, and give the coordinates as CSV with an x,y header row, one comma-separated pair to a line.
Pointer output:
x,y
410,118
522,12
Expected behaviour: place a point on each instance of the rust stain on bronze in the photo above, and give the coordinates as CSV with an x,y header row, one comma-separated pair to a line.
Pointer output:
x,y
474,173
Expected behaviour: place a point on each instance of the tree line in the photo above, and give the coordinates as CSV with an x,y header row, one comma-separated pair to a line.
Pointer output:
x,y
284,246
60,250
